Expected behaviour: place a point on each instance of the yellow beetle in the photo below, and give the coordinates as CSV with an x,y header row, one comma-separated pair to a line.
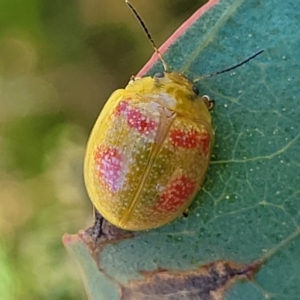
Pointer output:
x,y
148,152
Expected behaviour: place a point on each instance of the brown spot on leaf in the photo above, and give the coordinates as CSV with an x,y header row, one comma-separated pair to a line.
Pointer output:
x,y
208,282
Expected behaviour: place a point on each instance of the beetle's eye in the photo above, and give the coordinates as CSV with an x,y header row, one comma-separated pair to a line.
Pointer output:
x,y
195,90
159,75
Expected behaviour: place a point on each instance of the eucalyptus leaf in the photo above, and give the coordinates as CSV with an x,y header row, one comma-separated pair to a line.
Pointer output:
x,y
248,209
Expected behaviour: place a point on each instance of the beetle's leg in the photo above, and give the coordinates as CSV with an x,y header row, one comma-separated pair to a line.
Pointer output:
x,y
210,103
102,231
186,213
133,78
96,231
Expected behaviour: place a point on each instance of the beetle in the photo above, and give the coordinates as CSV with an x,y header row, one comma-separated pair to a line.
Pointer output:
x,y
149,150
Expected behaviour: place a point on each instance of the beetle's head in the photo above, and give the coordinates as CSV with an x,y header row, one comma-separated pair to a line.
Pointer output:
x,y
176,82
172,90
173,83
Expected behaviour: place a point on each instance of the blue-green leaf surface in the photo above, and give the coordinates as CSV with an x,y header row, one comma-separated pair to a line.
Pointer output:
x,y
249,208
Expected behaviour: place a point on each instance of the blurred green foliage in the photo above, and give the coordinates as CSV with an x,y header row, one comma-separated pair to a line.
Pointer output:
x,y
59,61
42,131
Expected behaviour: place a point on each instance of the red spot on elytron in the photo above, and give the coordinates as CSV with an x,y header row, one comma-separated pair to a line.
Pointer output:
x,y
205,142
185,139
135,118
175,194
190,139
108,166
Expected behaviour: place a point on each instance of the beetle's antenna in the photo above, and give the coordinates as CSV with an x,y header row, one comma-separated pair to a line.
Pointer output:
x,y
232,67
142,23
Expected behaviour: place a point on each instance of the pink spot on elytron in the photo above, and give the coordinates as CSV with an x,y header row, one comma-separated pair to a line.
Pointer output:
x,y
185,139
108,167
121,108
135,118
175,194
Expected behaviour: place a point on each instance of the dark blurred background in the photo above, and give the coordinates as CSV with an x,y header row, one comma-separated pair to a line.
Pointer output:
x,y
59,62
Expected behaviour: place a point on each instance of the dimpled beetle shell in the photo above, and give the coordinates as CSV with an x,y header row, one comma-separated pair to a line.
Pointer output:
x,y
148,152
